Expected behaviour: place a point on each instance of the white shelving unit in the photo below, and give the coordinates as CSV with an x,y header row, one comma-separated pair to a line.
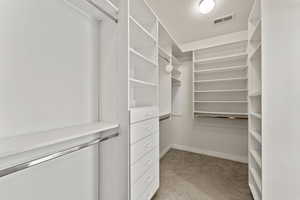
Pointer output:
x,y
254,97
143,62
220,76
169,82
143,78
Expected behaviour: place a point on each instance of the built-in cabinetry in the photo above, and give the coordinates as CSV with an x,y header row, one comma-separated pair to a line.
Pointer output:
x,y
143,101
220,81
169,74
255,116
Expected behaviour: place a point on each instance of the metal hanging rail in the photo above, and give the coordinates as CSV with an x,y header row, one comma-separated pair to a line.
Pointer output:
x,y
102,10
25,165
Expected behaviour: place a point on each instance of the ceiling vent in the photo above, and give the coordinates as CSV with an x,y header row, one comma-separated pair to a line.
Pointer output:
x,y
224,19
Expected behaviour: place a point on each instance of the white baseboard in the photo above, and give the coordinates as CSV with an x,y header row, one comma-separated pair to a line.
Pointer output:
x,y
241,159
164,151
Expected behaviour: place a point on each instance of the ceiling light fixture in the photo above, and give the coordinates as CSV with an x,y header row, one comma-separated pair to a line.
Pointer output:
x,y
206,6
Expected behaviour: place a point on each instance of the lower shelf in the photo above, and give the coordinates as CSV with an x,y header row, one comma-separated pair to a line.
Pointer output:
x,y
256,178
222,114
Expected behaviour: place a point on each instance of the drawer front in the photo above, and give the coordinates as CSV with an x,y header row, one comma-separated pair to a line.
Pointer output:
x,y
141,166
141,188
140,114
139,149
143,129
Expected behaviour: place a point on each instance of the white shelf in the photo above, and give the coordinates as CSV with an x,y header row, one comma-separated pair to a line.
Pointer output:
x,y
164,52
143,57
29,142
220,113
221,91
257,115
256,135
221,69
255,34
222,80
256,177
142,29
245,102
222,58
256,157
255,52
142,82
254,192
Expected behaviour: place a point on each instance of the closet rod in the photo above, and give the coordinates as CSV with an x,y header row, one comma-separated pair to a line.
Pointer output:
x,y
28,164
103,11
166,59
221,117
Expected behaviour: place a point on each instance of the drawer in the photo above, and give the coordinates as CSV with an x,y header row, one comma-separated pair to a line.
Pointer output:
x,y
139,149
140,114
142,189
141,166
143,129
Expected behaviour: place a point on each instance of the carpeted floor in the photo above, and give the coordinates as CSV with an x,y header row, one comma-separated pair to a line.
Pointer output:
x,y
189,176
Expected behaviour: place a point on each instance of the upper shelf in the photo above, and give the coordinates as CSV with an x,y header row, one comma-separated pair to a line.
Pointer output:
x,y
143,29
221,69
141,12
222,58
28,142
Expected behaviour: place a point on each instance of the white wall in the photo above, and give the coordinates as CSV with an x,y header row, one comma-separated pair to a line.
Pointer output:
x,y
218,137
281,99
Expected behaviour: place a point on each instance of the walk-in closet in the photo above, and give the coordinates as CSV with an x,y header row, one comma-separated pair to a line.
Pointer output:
x,y
149,100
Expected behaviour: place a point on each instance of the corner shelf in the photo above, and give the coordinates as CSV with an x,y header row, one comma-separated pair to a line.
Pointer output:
x,y
256,115
256,157
256,135
256,178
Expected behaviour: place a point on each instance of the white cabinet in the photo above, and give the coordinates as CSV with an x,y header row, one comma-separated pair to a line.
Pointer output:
x,y
144,153
143,103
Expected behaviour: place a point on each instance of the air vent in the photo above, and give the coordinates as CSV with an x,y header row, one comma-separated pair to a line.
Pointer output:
x,y
223,19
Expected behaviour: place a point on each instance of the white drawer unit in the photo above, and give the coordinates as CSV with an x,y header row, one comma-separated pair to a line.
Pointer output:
x,y
144,153
143,129
142,165
144,184
143,113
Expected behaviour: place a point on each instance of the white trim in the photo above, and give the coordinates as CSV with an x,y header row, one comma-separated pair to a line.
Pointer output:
x,y
242,159
165,151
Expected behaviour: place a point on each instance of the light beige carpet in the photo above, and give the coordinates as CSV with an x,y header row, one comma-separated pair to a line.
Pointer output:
x,y
189,176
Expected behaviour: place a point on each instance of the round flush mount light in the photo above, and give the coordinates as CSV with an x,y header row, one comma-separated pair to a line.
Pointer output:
x,y
206,6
